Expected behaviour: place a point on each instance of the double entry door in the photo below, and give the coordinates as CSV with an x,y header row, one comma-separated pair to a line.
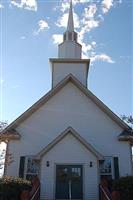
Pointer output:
x,y
69,182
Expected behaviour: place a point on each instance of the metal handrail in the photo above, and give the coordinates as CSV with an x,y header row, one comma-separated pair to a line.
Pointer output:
x,y
32,198
105,194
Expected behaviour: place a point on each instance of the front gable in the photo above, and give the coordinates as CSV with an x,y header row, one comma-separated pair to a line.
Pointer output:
x,y
67,104
69,132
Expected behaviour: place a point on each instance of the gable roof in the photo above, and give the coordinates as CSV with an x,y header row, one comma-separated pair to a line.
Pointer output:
x,y
51,93
71,131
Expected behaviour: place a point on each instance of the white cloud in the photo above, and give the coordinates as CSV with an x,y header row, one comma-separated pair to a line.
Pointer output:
x,y
84,56
26,4
65,4
83,26
1,6
42,25
62,21
100,18
103,57
87,49
57,38
93,43
90,11
86,26
106,5
88,22
92,16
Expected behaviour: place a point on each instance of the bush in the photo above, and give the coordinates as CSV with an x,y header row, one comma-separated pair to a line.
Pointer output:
x,y
125,186
10,188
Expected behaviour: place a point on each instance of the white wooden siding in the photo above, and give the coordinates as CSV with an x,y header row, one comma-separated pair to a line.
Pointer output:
x,y
69,151
70,107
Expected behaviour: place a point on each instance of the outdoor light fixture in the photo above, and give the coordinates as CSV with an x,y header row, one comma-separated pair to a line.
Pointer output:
x,y
47,164
91,164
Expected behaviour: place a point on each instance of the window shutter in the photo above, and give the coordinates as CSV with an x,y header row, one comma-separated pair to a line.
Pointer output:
x,y
21,166
116,168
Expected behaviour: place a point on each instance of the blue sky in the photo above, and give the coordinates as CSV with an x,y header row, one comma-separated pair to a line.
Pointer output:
x,y
30,31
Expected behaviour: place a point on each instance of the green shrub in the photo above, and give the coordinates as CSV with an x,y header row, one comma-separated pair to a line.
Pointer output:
x,y
10,188
125,186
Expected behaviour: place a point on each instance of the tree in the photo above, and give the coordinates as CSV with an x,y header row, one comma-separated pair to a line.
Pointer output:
x,y
128,119
3,124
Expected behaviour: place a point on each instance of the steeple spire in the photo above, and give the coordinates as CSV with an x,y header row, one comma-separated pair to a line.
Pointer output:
x,y
70,24
70,48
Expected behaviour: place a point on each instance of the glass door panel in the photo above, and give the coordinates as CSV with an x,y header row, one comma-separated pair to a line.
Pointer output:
x,y
69,182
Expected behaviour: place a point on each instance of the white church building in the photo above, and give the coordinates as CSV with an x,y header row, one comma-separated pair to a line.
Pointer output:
x,y
69,138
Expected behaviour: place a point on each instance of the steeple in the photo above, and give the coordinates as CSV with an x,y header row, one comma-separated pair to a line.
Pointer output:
x,y
69,60
70,24
70,48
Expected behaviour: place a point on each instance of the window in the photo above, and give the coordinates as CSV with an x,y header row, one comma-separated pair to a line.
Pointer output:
x,y
106,168
69,36
62,174
75,36
31,167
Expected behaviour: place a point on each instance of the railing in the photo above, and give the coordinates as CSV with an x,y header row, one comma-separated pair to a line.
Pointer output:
x,y
34,193
104,194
